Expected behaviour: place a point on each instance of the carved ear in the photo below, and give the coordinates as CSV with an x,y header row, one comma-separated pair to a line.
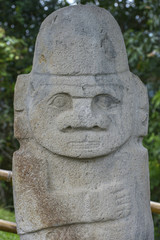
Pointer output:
x,y
21,124
141,108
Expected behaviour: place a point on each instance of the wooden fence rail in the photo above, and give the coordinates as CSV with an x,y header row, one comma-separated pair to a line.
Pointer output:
x,y
8,226
155,207
6,175
11,227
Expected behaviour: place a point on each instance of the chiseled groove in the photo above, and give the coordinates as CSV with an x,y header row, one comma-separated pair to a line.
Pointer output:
x,y
69,224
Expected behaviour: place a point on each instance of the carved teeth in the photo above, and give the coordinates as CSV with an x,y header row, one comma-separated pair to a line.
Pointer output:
x,y
84,145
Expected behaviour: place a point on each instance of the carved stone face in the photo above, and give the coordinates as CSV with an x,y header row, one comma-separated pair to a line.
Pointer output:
x,y
81,88
81,116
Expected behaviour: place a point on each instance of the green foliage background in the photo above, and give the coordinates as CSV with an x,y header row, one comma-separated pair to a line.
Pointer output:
x,y
19,25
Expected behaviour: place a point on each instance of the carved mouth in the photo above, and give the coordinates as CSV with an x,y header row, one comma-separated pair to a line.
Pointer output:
x,y
82,129
84,145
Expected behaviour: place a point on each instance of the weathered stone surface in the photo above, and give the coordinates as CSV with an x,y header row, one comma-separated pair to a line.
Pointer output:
x,y
81,172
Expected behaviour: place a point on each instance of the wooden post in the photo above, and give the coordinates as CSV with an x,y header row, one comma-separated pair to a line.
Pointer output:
x,y
6,175
8,226
155,207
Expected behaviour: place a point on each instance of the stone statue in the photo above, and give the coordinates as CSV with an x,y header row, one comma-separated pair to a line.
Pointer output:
x,y
81,172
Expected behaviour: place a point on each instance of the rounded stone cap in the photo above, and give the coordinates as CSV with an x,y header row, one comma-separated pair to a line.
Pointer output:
x,y
79,40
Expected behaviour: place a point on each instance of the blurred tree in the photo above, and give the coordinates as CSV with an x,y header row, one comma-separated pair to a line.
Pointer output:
x,y
152,142
11,52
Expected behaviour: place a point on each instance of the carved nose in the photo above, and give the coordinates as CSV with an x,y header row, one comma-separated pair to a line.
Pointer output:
x,y
81,117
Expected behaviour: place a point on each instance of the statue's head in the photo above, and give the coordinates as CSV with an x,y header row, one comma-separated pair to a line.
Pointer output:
x,y
82,97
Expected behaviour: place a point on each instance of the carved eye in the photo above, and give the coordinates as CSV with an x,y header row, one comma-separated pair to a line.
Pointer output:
x,y
105,101
61,100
